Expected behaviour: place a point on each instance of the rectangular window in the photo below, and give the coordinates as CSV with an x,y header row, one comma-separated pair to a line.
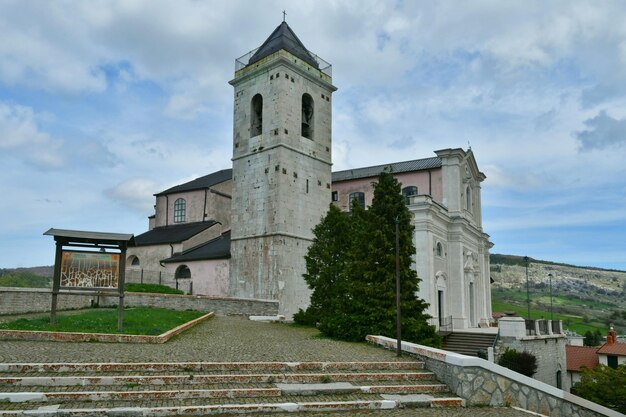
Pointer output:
x,y
334,196
359,197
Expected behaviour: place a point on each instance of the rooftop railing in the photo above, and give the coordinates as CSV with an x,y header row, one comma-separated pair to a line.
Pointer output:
x,y
244,60
543,327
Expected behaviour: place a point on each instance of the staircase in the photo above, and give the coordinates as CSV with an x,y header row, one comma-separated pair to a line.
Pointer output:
x,y
206,388
468,343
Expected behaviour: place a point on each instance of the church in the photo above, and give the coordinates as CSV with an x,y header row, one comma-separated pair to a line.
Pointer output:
x,y
243,231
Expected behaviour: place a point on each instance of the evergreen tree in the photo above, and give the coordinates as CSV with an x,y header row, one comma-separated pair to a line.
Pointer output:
x,y
351,268
377,267
325,268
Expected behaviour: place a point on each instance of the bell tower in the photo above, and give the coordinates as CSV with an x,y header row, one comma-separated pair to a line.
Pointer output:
x,y
281,167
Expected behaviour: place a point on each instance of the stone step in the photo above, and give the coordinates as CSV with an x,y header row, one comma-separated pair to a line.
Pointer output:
x,y
211,378
215,388
409,401
204,367
277,390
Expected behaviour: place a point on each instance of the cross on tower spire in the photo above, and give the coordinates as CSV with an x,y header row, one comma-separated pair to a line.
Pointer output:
x,y
284,15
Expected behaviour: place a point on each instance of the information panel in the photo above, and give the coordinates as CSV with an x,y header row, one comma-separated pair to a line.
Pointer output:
x,y
89,269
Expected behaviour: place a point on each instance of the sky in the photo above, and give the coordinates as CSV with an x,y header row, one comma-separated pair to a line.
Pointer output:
x,y
105,103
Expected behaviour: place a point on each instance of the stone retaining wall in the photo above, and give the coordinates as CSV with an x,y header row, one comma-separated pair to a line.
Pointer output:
x,y
481,382
34,300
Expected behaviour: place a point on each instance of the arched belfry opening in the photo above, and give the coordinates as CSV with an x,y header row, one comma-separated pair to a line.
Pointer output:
x,y
256,115
308,116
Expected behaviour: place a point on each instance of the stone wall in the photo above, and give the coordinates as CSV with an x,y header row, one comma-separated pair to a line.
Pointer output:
x,y
32,300
481,382
546,346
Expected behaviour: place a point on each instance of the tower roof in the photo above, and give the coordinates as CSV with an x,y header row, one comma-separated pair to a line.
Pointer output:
x,y
283,38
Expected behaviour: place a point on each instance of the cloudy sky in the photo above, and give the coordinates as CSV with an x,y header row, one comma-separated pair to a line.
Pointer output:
x,y
104,103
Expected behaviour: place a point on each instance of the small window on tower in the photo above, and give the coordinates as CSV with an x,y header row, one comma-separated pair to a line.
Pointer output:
x,y
256,115
308,116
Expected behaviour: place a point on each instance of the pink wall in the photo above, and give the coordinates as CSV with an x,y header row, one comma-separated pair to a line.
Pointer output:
x,y
425,185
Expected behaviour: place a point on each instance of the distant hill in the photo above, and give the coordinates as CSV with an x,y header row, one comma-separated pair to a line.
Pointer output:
x,y
35,277
44,271
586,297
496,258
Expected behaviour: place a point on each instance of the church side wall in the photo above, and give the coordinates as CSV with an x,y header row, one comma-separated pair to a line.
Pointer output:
x,y
219,205
427,184
210,277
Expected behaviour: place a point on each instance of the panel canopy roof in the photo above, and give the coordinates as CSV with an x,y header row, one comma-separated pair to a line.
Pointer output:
x,y
283,38
83,236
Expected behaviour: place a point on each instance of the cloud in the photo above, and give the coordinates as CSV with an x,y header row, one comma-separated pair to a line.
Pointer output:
x,y
603,132
136,193
21,136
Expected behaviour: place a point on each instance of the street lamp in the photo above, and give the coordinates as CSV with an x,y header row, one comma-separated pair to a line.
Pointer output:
x,y
550,277
398,326
527,287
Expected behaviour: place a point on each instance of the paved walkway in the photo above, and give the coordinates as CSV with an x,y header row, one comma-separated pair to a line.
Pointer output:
x,y
226,339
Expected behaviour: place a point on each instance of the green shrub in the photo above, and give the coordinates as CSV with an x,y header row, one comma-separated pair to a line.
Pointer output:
x,y
522,362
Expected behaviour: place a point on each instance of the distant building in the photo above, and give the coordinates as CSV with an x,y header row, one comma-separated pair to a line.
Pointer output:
x,y
244,232
612,353
579,357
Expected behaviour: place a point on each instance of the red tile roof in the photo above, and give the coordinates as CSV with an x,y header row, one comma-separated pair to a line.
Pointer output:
x,y
614,349
579,356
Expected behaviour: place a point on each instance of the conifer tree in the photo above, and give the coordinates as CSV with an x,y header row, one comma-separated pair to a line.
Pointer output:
x,y
376,260
351,270
325,268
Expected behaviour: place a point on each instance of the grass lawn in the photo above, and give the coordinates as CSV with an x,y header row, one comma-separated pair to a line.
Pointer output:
x,y
138,321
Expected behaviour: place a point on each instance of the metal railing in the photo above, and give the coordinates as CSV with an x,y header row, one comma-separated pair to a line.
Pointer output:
x,y
445,325
324,66
162,277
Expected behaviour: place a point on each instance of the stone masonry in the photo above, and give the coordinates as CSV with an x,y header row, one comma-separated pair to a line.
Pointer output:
x,y
281,179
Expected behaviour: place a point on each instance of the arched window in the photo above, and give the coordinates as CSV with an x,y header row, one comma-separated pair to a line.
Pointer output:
x,y
359,197
256,115
179,210
439,249
407,192
559,382
468,199
132,260
308,116
182,272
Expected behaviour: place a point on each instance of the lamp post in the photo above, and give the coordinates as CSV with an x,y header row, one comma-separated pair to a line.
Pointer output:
x,y
527,287
550,277
398,326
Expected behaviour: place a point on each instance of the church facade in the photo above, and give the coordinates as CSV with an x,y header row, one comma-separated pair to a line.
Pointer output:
x,y
243,232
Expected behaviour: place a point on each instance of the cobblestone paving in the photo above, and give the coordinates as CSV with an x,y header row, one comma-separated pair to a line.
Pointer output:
x,y
221,339
226,339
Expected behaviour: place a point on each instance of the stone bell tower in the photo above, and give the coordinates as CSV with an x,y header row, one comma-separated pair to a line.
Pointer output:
x,y
281,167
